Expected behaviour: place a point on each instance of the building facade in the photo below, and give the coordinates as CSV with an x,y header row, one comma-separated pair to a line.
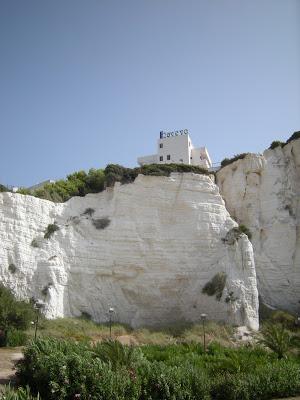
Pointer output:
x,y
177,147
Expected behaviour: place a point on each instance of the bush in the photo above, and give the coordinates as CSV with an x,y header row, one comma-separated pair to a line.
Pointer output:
x,y
12,268
9,393
243,229
51,228
88,211
16,338
235,233
35,243
276,143
68,370
228,161
278,339
295,136
216,285
284,318
101,223
14,314
274,380
3,188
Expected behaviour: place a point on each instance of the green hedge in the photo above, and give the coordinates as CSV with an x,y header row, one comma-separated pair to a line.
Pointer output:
x,y
65,370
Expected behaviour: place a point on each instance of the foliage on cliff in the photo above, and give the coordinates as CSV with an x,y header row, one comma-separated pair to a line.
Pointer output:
x,y
278,143
228,161
117,173
95,180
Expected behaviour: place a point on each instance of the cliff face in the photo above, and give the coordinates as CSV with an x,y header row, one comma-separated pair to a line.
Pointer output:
x,y
146,248
263,192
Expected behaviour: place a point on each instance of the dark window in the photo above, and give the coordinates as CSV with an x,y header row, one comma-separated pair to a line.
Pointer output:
x,y
191,158
168,157
161,145
161,158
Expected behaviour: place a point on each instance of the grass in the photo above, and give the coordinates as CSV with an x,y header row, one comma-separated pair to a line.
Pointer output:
x,y
86,330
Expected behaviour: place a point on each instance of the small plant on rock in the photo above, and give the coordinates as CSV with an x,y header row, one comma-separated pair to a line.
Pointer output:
x,y
46,288
12,268
89,211
215,286
35,243
101,223
51,228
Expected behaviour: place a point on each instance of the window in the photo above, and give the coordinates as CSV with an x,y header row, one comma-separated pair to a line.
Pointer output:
x,y
161,145
191,158
168,157
161,158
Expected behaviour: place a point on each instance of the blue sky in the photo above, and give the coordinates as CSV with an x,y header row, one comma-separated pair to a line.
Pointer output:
x,y
91,82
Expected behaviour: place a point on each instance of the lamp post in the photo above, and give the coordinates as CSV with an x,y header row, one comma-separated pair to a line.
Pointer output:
x,y
39,305
110,313
203,319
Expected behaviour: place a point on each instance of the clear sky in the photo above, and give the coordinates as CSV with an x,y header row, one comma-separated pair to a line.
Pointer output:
x,y
84,83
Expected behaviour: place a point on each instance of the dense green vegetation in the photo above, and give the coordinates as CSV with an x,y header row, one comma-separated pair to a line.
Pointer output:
x,y
96,180
15,317
59,369
51,228
216,285
228,161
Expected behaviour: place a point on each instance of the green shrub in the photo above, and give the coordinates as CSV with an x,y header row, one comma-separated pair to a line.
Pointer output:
x,y
284,318
51,228
159,381
35,243
276,143
278,339
243,229
12,268
235,233
295,136
228,161
101,223
89,211
16,338
3,188
216,285
274,380
20,393
118,355
64,370
14,314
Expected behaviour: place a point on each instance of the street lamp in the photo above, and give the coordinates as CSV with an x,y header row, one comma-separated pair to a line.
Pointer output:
x,y
38,305
110,313
203,319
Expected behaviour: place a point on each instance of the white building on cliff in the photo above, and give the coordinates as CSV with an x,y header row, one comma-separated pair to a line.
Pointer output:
x,y
176,147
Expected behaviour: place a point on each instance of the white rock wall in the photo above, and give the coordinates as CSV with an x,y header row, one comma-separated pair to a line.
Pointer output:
x,y
163,244
263,192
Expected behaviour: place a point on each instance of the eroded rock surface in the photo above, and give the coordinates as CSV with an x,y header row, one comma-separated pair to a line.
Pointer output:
x,y
146,248
263,192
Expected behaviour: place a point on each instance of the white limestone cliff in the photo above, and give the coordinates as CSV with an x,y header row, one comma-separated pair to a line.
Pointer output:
x,y
263,192
146,248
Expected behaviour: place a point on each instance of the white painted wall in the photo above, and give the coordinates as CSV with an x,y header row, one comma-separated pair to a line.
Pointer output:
x,y
177,147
